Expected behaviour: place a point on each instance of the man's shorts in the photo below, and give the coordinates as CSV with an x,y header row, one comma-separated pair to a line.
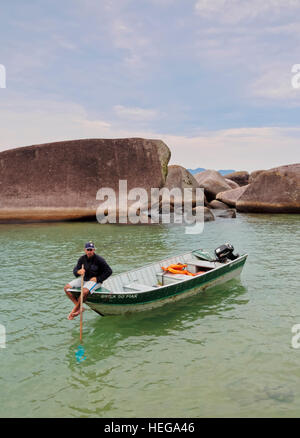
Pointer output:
x,y
90,285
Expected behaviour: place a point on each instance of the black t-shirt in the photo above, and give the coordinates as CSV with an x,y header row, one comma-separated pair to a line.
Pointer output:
x,y
94,266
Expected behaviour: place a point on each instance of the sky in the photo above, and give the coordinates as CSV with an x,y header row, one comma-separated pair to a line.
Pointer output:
x,y
211,78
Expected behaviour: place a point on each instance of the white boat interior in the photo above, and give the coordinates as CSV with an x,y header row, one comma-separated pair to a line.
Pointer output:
x,y
152,276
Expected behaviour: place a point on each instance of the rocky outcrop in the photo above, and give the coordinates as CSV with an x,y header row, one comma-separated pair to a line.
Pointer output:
x,y
59,181
241,177
230,213
212,182
175,216
230,197
207,213
232,184
180,178
218,205
254,174
273,191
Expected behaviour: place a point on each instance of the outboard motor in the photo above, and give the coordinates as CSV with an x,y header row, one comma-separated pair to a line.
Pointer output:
x,y
225,252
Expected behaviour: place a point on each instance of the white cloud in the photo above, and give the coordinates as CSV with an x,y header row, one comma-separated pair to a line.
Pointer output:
x,y
94,124
26,123
129,34
276,84
257,41
124,30
234,11
125,36
64,43
240,149
160,62
137,114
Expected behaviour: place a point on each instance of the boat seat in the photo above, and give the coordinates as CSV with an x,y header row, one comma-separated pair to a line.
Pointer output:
x,y
201,263
165,278
195,266
137,287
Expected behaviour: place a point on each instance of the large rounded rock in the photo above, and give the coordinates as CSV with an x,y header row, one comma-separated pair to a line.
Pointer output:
x,y
241,177
218,205
230,197
197,214
207,213
232,184
254,174
230,213
212,182
273,191
59,181
180,178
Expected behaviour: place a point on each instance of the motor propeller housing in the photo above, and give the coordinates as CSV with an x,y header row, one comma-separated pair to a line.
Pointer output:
x,y
224,252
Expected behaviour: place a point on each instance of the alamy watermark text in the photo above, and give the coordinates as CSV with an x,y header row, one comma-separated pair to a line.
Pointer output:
x,y
2,336
2,76
134,206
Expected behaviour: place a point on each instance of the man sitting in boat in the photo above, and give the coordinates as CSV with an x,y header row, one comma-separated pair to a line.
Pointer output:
x,y
95,271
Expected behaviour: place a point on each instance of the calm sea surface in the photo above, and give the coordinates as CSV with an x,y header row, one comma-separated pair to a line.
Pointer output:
x,y
226,352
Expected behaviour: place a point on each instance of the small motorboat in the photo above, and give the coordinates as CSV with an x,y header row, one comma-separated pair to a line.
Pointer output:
x,y
155,285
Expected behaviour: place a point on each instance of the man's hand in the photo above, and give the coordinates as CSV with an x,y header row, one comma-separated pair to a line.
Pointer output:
x,y
81,271
94,279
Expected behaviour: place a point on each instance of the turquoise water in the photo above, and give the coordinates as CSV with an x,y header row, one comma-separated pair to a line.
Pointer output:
x,y
226,352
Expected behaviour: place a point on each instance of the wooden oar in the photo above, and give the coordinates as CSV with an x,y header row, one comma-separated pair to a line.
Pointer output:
x,y
80,351
81,303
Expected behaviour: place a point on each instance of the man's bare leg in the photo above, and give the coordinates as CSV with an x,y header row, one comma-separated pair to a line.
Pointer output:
x,y
72,298
69,294
76,310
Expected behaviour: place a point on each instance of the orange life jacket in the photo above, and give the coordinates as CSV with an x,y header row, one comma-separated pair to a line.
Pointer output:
x,y
178,269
